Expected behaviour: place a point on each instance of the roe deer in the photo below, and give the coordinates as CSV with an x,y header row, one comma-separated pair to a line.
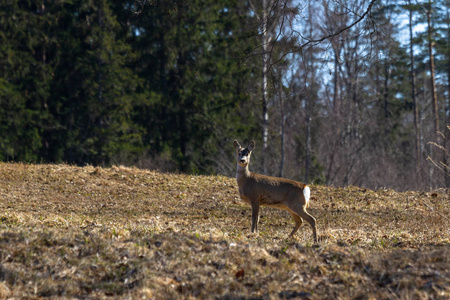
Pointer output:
x,y
257,189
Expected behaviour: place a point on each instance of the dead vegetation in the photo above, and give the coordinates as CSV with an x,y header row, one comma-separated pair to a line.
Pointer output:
x,y
127,233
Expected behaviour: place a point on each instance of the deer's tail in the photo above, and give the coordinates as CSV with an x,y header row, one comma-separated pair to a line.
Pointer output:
x,y
307,194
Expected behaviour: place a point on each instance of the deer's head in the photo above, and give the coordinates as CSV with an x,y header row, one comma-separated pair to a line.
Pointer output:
x,y
243,154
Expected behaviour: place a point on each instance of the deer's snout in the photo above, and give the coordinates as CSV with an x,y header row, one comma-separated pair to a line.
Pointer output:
x,y
243,160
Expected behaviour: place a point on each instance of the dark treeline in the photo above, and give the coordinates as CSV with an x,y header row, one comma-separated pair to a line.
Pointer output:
x,y
169,85
109,82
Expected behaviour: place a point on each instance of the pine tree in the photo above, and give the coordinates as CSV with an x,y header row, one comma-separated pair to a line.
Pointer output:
x,y
96,88
196,87
26,64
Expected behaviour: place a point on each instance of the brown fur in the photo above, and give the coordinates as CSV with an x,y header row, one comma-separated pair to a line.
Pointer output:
x,y
257,189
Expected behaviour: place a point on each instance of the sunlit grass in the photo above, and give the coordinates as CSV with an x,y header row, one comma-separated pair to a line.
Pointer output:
x,y
127,233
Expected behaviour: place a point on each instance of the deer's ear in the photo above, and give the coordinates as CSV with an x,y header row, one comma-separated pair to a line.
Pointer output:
x,y
251,146
236,145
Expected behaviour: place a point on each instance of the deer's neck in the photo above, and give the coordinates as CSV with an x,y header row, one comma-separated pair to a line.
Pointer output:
x,y
242,173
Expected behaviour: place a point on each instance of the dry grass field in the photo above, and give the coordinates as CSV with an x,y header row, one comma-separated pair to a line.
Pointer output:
x,y
72,232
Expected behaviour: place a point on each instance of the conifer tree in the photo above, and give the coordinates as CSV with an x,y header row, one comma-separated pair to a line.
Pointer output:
x,y
97,88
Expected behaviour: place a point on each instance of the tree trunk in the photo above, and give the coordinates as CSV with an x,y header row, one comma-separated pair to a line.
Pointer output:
x,y
308,100
432,69
282,127
414,98
433,153
101,121
447,108
386,99
308,140
336,106
265,113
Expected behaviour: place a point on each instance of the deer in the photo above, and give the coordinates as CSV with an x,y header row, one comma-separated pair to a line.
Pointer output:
x,y
276,192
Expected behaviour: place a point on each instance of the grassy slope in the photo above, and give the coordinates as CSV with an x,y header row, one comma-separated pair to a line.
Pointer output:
x,y
119,232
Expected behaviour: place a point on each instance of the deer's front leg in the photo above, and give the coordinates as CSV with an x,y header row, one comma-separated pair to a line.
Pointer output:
x,y
255,215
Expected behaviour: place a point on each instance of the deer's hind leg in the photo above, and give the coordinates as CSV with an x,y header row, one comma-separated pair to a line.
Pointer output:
x,y
298,222
300,210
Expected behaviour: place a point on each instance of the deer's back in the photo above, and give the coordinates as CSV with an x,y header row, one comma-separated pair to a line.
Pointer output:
x,y
270,191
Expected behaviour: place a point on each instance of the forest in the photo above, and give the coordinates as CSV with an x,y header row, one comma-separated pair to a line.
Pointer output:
x,y
334,92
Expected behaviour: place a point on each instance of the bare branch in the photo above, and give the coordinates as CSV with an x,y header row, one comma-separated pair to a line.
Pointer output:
x,y
330,36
